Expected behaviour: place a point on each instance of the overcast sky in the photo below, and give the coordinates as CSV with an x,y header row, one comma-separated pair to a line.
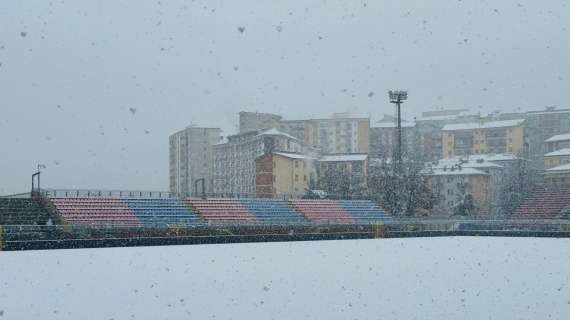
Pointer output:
x,y
92,89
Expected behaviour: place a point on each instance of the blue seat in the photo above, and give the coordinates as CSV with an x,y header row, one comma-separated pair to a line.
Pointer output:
x,y
272,211
162,212
364,211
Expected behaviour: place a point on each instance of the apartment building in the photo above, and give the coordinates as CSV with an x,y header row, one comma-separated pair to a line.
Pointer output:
x,y
284,173
384,139
234,161
452,185
557,142
251,121
505,136
428,130
352,164
557,158
190,154
339,134
549,122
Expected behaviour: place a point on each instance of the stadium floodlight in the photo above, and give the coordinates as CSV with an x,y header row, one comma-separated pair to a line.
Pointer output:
x,y
397,97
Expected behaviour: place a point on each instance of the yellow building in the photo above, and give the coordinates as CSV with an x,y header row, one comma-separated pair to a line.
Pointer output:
x,y
284,173
557,158
559,175
506,136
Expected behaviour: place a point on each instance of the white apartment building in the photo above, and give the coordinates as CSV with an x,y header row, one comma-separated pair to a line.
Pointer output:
x,y
234,160
191,158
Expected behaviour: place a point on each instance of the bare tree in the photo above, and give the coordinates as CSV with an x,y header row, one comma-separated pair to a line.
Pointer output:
x,y
401,188
520,179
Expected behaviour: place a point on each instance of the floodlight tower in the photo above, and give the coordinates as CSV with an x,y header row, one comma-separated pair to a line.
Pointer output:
x,y
397,97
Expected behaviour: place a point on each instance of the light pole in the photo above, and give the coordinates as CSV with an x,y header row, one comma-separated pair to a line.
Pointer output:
x,y
37,174
397,97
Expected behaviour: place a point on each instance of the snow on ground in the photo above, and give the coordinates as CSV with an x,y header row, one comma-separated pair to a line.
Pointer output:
x,y
437,278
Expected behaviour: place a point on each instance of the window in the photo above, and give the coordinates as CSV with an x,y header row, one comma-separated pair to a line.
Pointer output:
x,y
296,177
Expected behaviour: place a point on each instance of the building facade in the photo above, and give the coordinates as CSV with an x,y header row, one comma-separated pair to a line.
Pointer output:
x,y
558,176
549,121
251,121
453,185
342,174
284,173
557,158
463,139
428,129
235,160
497,167
557,142
384,139
339,134
191,157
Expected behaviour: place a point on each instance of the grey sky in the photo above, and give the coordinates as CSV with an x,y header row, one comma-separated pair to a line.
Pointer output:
x,y
71,70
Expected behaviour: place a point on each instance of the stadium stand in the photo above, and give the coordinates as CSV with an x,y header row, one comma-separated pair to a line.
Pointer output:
x,y
269,211
174,212
95,211
364,211
162,212
543,204
221,211
22,211
322,211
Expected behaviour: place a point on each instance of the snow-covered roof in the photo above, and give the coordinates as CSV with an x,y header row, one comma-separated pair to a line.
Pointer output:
x,y
275,132
548,111
442,117
564,167
561,152
393,125
494,157
456,172
559,137
343,157
486,157
483,125
294,155
466,163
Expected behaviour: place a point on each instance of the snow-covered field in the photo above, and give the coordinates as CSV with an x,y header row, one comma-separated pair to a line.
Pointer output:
x,y
438,278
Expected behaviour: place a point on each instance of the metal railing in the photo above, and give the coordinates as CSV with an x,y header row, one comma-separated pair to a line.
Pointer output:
x,y
100,193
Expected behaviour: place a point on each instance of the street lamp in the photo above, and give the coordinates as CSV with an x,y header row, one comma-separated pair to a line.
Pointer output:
x,y
397,97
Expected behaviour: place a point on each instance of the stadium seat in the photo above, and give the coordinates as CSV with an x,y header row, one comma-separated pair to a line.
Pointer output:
x,y
95,211
162,212
543,204
270,211
364,211
322,211
221,211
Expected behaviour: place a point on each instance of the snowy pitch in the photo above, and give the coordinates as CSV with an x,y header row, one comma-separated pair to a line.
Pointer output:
x,y
437,278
